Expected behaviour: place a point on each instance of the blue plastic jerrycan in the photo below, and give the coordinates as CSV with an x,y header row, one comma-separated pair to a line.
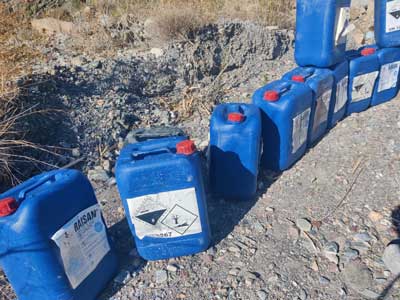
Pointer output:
x,y
387,23
235,145
320,81
337,109
388,81
161,186
53,241
363,74
285,113
321,32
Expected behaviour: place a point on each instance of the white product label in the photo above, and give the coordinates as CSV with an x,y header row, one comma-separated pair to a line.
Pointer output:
x,y
83,244
165,215
300,129
389,76
392,15
342,22
321,111
363,86
341,93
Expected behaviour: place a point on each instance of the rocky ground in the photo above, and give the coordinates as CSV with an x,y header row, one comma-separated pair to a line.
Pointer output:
x,y
317,231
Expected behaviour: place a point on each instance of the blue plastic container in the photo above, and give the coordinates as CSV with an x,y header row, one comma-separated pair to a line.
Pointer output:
x,y
388,81
53,241
235,145
321,31
337,109
285,113
363,73
161,186
387,23
320,81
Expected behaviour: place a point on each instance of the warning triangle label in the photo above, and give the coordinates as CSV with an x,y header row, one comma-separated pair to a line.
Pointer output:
x,y
396,14
151,217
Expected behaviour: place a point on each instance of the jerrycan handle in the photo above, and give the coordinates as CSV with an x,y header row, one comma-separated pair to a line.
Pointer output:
x,y
144,153
41,181
285,87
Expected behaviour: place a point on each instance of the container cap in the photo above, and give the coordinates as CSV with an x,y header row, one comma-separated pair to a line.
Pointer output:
x,y
236,117
298,78
367,51
186,147
271,96
8,206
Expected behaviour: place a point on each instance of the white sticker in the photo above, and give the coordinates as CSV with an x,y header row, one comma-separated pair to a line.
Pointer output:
x,y
363,86
342,22
389,76
322,109
165,215
83,243
392,15
341,93
300,129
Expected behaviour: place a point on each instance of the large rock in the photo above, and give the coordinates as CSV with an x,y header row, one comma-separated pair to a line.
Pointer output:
x,y
391,257
51,26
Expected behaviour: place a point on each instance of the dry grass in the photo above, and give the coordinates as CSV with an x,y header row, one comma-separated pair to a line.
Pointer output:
x,y
15,60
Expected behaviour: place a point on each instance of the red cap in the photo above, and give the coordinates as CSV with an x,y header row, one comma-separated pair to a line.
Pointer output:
x,y
8,206
186,147
271,96
298,78
236,117
367,51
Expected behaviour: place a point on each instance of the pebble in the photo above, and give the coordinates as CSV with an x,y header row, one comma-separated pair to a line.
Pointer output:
x,y
350,254
303,224
331,248
161,276
172,268
375,216
123,277
303,295
391,257
363,237
262,295
324,280
358,276
98,175
76,152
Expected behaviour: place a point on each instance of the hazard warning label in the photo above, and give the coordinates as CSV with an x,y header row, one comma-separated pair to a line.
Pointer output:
x,y
392,15
363,86
165,215
389,76
321,111
342,23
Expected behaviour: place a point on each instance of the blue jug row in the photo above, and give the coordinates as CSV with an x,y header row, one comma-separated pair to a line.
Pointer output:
x,y
53,240
322,27
301,107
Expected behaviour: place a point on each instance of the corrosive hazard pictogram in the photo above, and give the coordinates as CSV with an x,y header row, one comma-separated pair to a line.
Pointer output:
x,y
151,217
395,14
179,219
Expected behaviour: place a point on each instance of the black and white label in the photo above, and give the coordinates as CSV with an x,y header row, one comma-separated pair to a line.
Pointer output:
x,y
83,243
389,76
341,93
300,129
322,109
363,86
342,23
165,215
392,15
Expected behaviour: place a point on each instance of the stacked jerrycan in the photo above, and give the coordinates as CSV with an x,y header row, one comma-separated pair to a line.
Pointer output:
x,y
320,81
387,23
363,74
161,186
235,148
53,241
